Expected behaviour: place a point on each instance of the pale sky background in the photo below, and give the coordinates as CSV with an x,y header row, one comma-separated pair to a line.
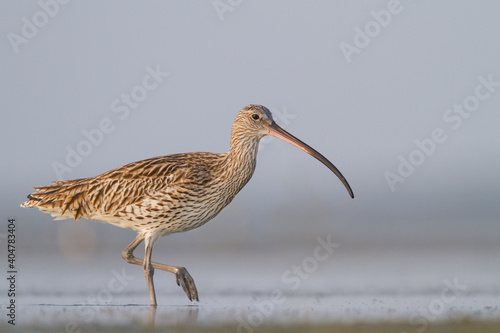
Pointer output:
x,y
362,114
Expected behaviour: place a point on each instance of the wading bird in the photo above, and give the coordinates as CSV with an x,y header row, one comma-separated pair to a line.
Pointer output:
x,y
168,194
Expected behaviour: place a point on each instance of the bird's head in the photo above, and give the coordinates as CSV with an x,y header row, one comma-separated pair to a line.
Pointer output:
x,y
255,121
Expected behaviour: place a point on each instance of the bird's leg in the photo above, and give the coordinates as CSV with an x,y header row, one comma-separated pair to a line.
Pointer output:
x,y
183,279
128,255
149,270
182,276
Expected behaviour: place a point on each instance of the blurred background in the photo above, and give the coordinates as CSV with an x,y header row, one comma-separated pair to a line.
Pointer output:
x,y
403,97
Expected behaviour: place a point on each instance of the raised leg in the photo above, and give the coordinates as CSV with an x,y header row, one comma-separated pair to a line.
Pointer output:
x,y
182,276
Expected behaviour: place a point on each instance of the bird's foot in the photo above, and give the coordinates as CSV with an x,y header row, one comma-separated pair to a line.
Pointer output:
x,y
187,283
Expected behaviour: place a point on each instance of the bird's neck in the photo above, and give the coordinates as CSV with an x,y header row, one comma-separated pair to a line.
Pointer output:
x,y
240,160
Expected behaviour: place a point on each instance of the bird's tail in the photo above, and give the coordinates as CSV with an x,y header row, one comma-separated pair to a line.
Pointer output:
x,y
63,200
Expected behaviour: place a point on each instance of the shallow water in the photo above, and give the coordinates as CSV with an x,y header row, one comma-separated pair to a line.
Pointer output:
x,y
244,291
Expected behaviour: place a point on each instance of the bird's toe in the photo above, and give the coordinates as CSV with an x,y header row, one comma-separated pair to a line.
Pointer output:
x,y
185,280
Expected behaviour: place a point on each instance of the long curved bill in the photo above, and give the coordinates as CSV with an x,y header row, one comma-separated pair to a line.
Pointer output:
x,y
278,132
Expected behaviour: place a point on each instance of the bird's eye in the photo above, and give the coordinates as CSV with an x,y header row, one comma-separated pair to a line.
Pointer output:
x,y
255,116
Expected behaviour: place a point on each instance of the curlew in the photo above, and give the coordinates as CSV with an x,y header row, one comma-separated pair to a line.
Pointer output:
x,y
168,194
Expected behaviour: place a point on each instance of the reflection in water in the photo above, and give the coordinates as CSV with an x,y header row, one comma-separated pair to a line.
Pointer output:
x,y
173,315
192,314
151,319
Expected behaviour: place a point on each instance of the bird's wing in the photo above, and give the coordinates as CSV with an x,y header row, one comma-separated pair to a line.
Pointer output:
x,y
116,189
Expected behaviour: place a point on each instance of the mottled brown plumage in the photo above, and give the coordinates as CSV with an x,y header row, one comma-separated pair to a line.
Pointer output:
x,y
168,194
